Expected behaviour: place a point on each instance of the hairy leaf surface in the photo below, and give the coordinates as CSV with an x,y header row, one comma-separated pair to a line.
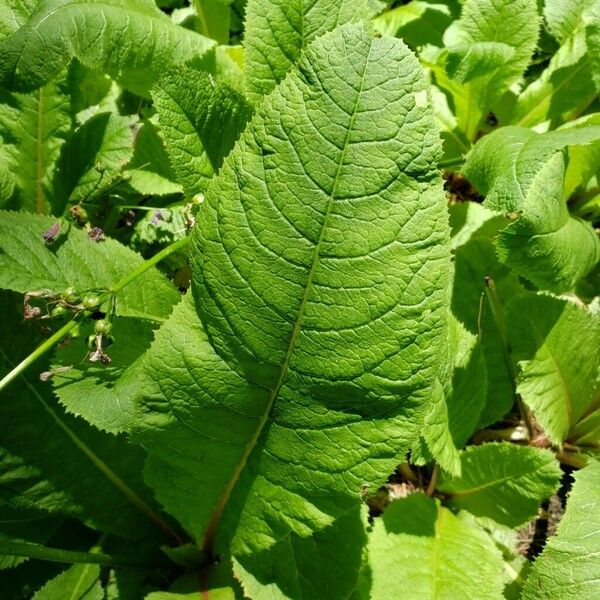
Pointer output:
x,y
568,566
503,482
92,31
321,278
278,30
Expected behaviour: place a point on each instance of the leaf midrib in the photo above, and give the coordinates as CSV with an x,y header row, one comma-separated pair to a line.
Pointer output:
x,y
215,518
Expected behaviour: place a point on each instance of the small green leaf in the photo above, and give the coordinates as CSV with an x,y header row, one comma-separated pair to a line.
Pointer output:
x,y
78,582
568,566
418,549
489,48
556,345
565,88
503,482
149,172
504,178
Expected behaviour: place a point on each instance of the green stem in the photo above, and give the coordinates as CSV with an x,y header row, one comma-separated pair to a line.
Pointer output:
x,y
451,162
48,344
29,550
498,314
44,347
174,247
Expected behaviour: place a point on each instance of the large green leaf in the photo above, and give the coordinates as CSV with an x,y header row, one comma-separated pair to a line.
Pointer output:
x,y
321,279
33,127
568,566
545,244
418,549
502,482
489,48
74,260
92,31
278,30
556,345
200,120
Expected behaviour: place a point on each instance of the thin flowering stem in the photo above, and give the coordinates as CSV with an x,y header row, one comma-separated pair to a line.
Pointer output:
x,y
56,337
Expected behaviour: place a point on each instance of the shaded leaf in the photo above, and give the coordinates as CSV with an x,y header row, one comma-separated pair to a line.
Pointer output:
x,y
200,121
325,565
418,549
93,159
103,394
54,463
565,88
78,582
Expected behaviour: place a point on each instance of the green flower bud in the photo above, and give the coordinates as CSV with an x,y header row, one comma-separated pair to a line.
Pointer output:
x,y
70,295
102,327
